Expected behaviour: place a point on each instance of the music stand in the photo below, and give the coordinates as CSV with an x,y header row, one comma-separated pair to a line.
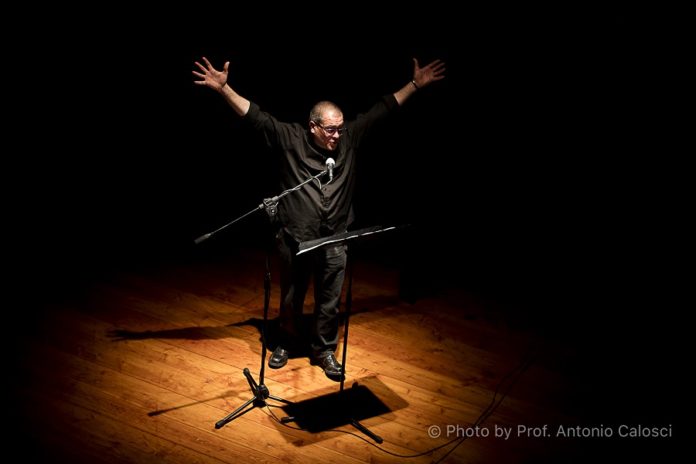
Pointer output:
x,y
345,237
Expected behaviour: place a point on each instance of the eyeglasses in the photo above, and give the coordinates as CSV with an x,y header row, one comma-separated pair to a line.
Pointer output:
x,y
331,130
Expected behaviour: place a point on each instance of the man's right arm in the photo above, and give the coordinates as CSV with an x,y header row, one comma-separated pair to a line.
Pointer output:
x,y
238,103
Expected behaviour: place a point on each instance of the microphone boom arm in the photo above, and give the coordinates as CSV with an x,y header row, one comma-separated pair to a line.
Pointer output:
x,y
269,204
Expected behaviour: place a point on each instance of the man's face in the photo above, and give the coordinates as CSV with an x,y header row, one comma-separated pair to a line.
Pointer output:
x,y
327,133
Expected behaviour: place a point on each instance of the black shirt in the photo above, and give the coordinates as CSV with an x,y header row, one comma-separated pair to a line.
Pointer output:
x,y
313,211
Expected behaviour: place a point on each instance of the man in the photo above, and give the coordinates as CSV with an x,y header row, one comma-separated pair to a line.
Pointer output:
x,y
318,209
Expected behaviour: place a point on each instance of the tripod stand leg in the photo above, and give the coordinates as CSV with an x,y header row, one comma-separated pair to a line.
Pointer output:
x,y
279,399
234,414
250,379
366,431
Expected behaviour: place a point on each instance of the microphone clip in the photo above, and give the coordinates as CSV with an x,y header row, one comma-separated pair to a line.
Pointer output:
x,y
271,206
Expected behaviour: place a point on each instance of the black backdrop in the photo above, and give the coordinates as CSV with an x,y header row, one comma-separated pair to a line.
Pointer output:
x,y
531,168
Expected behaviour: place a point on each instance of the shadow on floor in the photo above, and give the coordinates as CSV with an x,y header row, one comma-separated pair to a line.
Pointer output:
x,y
330,409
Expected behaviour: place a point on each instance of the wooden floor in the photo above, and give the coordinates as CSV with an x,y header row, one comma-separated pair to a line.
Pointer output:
x,y
138,366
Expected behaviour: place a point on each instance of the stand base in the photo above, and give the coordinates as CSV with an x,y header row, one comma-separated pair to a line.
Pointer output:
x,y
260,392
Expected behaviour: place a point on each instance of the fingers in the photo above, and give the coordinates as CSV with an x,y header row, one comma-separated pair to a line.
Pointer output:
x,y
436,65
436,69
207,63
438,72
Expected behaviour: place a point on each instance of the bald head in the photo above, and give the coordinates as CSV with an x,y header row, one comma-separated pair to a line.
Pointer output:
x,y
325,110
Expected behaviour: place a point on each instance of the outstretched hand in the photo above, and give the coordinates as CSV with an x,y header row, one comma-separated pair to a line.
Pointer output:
x,y
210,76
433,71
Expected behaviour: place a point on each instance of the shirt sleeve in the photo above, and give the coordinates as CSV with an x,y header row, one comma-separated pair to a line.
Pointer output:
x,y
275,133
364,123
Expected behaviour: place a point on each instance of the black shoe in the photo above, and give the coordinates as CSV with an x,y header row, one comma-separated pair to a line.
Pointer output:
x,y
327,361
279,358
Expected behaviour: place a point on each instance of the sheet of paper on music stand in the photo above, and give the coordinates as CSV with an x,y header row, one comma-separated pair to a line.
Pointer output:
x,y
310,245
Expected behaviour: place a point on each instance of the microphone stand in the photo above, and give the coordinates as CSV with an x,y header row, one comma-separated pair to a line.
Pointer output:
x,y
269,204
260,391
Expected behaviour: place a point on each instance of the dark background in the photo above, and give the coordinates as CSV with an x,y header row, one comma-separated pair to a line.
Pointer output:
x,y
540,173
539,163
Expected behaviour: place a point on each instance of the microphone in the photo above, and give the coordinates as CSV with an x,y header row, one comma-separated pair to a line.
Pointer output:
x,y
330,163
202,238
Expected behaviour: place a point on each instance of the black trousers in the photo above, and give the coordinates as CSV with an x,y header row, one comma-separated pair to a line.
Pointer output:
x,y
328,266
